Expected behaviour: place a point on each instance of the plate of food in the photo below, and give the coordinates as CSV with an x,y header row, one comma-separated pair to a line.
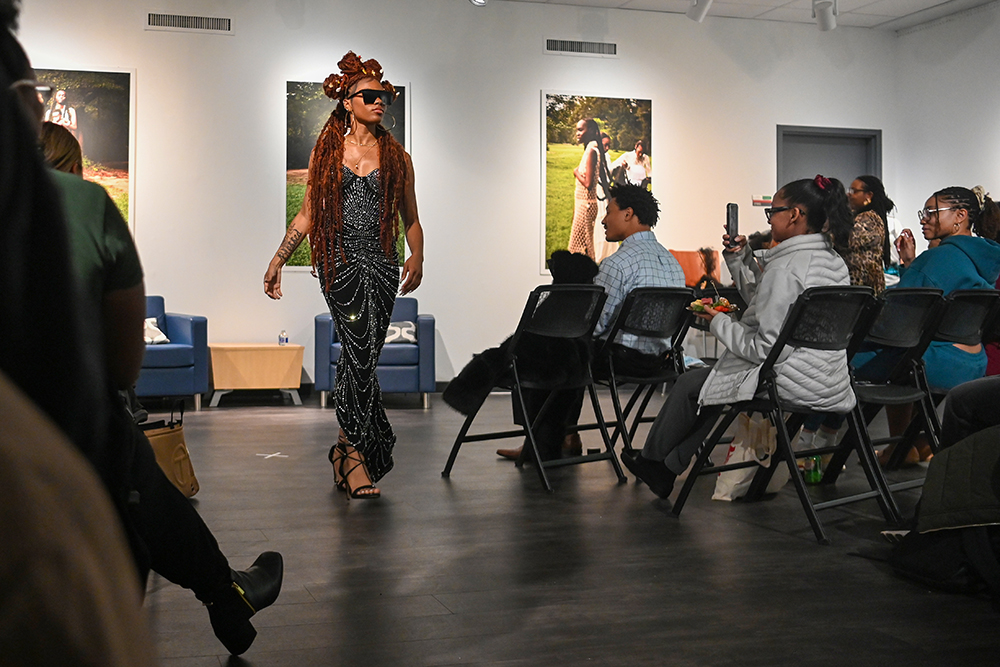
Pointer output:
x,y
719,304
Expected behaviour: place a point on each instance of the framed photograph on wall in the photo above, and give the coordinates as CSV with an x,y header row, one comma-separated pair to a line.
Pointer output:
x,y
307,110
97,108
579,132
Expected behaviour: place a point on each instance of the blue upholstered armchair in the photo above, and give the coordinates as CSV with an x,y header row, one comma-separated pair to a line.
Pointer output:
x,y
180,367
402,368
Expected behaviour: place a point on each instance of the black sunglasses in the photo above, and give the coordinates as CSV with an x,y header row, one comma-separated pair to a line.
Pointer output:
x,y
370,95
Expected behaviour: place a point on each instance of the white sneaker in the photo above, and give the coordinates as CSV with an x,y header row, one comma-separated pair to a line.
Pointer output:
x,y
804,440
825,439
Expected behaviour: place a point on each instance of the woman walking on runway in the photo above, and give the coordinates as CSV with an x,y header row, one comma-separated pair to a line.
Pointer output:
x,y
360,188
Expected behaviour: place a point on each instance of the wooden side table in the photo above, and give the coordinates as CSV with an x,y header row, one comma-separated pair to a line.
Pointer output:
x,y
255,366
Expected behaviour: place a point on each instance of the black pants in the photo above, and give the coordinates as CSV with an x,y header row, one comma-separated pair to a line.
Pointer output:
x,y
679,427
167,534
550,430
969,408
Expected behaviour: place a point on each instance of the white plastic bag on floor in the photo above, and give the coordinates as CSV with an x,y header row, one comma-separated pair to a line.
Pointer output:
x,y
755,440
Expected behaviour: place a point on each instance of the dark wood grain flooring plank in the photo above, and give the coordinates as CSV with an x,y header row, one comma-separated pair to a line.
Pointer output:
x,y
485,568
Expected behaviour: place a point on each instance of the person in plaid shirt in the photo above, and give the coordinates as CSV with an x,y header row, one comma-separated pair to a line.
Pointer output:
x,y
640,262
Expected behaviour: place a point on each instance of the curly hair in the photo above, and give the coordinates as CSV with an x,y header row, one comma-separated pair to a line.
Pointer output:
x,y
326,176
639,199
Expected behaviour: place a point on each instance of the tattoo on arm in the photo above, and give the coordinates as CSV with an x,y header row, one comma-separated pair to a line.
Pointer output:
x,y
292,240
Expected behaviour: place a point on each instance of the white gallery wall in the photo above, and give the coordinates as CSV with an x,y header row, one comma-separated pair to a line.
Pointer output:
x,y
210,130
949,109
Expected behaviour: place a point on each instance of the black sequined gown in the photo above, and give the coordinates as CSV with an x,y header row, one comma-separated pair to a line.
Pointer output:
x,y
360,301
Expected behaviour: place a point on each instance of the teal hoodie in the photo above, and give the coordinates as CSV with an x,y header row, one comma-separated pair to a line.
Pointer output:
x,y
960,262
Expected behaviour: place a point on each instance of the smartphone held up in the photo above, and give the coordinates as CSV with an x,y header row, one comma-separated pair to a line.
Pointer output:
x,y
732,223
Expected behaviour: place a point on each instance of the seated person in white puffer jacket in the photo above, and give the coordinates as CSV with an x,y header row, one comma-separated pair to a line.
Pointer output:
x,y
810,220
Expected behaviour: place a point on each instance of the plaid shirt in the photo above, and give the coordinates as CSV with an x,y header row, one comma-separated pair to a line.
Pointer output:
x,y
640,262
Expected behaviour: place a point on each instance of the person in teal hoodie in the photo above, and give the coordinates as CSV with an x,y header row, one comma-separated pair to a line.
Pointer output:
x,y
965,223
961,261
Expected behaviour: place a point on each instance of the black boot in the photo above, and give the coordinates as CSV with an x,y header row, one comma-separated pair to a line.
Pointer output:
x,y
655,474
250,591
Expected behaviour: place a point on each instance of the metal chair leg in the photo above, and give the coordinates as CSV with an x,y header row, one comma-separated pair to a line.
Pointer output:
x,y
865,415
785,452
458,443
869,462
530,428
642,410
919,422
617,403
704,452
929,410
608,446
762,477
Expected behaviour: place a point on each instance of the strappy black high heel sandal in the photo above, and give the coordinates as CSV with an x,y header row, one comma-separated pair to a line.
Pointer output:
x,y
354,456
336,458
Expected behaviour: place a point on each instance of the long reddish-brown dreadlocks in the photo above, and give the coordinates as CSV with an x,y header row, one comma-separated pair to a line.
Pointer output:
x,y
326,177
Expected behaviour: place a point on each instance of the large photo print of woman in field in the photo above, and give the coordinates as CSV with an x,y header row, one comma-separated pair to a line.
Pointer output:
x,y
307,110
591,143
95,108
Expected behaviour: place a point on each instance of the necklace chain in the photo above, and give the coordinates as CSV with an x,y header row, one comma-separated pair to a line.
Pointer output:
x,y
370,146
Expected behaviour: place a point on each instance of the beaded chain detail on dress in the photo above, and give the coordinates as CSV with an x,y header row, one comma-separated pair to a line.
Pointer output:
x,y
361,301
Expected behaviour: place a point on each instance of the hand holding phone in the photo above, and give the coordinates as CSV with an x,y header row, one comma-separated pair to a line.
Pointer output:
x,y
733,244
732,225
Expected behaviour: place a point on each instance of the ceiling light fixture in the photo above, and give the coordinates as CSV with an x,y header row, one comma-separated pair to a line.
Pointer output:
x,y
479,3
698,10
825,12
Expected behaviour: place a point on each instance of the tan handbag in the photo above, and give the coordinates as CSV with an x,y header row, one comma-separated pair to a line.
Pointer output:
x,y
167,440
755,439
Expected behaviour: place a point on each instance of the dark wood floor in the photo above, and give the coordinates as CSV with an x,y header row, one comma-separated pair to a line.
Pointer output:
x,y
485,568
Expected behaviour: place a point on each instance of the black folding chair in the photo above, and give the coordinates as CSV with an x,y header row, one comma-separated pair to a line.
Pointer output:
x,y
963,320
648,313
903,329
822,318
566,313
992,332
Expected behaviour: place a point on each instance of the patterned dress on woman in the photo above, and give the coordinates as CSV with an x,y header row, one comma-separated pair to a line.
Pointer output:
x,y
864,260
361,301
581,236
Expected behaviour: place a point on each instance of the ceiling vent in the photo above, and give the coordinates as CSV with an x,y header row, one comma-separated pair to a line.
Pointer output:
x,y
204,24
566,47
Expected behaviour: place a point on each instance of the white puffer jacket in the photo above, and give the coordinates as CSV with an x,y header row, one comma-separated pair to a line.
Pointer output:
x,y
816,378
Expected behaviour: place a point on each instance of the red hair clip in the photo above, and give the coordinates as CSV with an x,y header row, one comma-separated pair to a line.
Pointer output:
x,y
822,182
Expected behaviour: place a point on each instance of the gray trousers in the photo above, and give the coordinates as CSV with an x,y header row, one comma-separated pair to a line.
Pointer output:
x,y
680,428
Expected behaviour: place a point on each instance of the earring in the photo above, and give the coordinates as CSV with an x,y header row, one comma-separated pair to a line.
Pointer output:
x,y
349,123
390,128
